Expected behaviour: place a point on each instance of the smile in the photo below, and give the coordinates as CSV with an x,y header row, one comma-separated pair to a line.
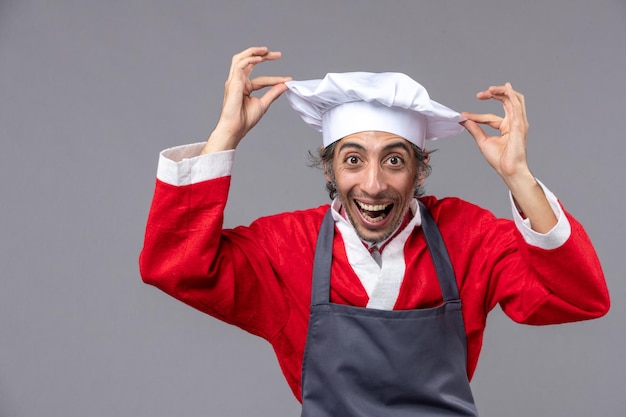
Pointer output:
x,y
374,213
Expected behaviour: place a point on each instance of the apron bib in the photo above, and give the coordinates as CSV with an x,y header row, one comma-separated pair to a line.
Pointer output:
x,y
361,362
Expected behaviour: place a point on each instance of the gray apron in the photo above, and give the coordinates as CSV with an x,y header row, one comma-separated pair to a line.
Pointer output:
x,y
361,362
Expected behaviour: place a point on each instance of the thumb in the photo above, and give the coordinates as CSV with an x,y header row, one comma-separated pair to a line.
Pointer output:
x,y
474,129
272,94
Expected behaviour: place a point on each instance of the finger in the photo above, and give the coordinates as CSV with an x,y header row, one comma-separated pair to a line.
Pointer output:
x,y
501,93
253,51
243,63
490,92
246,60
271,95
519,102
247,64
512,102
515,107
475,130
489,119
259,51
498,92
269,56
272,56
267,81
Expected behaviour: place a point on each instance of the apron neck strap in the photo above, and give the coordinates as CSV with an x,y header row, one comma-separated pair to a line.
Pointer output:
x,y
439,255
320,290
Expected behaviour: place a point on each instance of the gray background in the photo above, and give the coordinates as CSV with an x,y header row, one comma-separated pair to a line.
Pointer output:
x,y
91,91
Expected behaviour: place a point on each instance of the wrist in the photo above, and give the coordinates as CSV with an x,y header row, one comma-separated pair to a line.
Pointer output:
x,y
220,140
521,183
531,202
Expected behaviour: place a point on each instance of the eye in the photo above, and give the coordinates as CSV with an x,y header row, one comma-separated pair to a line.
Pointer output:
x,y
352,160
395,160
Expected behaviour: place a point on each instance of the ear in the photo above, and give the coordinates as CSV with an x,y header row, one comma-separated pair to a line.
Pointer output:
x,y
327,168
422,175
327,171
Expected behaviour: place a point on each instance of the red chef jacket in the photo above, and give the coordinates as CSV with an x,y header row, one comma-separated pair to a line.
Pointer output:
x,y
259,277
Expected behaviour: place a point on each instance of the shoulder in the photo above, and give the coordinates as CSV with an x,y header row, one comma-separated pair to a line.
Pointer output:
x,y
315,214
465,222
299,224
449,208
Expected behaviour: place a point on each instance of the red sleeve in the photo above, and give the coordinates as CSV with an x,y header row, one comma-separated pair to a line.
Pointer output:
x,y
537,286
224,273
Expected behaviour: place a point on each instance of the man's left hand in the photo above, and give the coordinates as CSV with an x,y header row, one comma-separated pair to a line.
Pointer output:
x,y
507,153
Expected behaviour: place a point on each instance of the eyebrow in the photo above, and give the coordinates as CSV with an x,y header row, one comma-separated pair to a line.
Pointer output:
x,y
391,146
349,145
399,144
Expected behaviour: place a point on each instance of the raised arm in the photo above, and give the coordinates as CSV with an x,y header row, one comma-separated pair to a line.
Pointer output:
x,y
186,251
241,111
507,153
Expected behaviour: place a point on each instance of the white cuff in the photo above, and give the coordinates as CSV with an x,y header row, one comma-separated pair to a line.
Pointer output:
x,y
183,165
554,238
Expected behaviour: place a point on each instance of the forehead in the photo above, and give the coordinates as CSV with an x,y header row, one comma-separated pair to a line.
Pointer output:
x,y
372,142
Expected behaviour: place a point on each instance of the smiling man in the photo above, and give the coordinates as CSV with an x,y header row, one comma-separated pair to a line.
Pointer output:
x,y
375,176
375,304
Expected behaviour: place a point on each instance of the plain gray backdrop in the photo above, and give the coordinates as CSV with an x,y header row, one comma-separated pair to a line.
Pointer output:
x,y
91,91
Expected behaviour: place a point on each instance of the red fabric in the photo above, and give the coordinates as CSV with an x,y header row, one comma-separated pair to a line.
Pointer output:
x,y
258,277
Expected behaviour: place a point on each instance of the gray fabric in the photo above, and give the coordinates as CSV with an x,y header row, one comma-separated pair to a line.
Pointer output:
x,y
367,362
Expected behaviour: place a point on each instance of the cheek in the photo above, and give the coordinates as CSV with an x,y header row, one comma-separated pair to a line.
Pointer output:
x,y
407,189
346,179
344,188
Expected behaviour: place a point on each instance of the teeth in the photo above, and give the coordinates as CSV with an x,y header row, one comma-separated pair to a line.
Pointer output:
x,y
372,219
372,207
367,210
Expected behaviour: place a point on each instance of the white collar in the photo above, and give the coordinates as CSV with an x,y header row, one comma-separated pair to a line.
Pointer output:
x,y
382,280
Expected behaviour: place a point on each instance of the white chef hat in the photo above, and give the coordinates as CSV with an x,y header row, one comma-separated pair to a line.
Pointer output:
x,y
351,102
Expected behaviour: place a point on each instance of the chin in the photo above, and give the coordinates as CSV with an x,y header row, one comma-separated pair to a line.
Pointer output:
x,y
371,236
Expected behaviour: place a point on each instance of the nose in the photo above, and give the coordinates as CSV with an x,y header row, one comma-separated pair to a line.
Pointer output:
x,y
374,180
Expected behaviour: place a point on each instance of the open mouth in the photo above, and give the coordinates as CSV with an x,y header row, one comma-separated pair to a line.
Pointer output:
x,y
374,213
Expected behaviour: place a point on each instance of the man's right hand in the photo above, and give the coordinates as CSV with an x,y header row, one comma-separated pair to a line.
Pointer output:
x,y
240,110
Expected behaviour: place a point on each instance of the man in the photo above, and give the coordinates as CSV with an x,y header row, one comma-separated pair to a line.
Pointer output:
x,y
376,305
